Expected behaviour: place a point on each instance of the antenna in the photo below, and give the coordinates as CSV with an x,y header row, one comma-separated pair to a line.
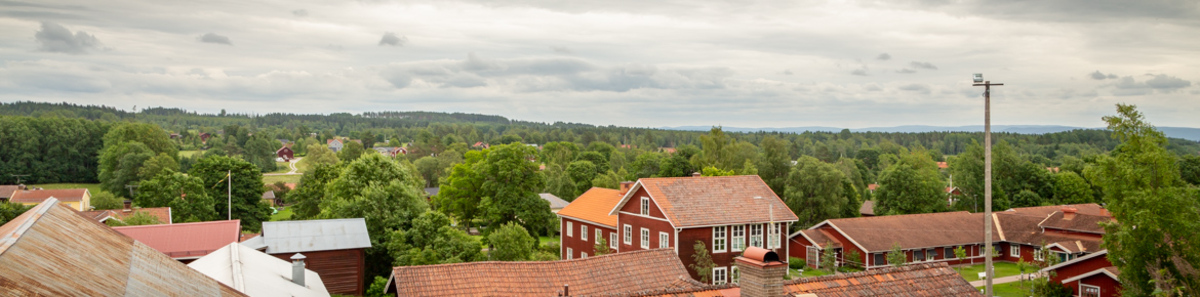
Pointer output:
x,y
18,176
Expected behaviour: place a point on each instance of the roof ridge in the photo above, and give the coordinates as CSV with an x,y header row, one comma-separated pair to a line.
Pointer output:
x,y
10,238
552,262
185,224
907,215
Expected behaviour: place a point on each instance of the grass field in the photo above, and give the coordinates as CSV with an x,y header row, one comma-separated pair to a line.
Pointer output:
x,y
302,166
1012,289
281,167
282,215
971,273
283,178
188,154
93,188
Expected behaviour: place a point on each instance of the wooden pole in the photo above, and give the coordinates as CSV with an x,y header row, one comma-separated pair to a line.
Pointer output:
x,y
987,185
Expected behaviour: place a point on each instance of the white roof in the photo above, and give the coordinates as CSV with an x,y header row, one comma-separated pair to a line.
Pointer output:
x,y
555,202
315,235
257,274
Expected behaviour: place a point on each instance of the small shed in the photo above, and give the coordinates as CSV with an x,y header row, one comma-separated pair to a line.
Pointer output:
x,y
335,249
285,153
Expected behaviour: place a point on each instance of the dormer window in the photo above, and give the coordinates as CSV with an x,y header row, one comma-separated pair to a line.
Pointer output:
x,y
645,206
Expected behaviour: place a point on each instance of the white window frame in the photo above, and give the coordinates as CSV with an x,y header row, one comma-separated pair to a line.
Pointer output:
x,y
664,240
599,235
719,275
645,243
612,240
570,254
773,236
930,254
1083,287
583,255
1037,254
918,259
734,276
645,206
718,242
583,232
737,237
949,251
756,235
570,229
1014,250
628,236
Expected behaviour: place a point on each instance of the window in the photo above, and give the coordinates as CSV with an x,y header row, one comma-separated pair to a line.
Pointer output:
x,y
1014,250
879,260
583,255
645,238
628,236
756,235
949,253
664,240
734,276
1037,254
773,235
612,239
931,254
918,255
645,206
718,275
1088,291
599,235
570,254
570,229
718,243
583,232
737,238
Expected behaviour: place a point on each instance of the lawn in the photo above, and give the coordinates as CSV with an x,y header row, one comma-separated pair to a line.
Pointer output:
x,y
971,273
188,154
302,166
282,215
93,188
281,167
271,179
808,272
1012,289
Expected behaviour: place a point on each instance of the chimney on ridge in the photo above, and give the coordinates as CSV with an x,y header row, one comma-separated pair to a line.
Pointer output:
x,y
625,186
761,273
298,269
128,205
1069,213
695,174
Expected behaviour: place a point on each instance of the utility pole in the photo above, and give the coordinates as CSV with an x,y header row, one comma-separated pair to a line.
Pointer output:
x,y
18,176
229,202
131,187
987,180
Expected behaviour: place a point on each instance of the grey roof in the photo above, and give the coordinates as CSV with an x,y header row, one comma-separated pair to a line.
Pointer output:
x,y
432,191
315,235
257,274
555,202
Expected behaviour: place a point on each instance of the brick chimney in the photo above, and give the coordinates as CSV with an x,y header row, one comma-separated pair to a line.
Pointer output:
x,y
1069,213
625,186
695,174
128,205
761,273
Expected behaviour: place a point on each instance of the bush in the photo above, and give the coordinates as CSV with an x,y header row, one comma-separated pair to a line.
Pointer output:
x,y
796,263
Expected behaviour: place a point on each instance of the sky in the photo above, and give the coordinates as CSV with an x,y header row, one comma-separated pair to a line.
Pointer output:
x,y
849,64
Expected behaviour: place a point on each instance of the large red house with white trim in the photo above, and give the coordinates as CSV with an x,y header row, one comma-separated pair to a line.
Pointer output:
x,y
1088,276
725,213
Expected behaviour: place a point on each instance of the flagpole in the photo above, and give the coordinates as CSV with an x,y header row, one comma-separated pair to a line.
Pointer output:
x,y
229,202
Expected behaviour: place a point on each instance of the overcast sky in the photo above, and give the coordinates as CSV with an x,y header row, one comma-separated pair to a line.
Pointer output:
x,y
639,63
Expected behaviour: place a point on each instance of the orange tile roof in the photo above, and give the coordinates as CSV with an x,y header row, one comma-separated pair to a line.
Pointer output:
x,y
593,206
916,280
715,200
602,275
37,196
163,214
942,165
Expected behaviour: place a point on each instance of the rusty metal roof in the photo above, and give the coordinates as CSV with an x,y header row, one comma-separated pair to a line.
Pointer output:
x,y
51,250
315,235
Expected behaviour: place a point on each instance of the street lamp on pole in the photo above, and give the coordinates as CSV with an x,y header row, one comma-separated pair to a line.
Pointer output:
x,y
987,179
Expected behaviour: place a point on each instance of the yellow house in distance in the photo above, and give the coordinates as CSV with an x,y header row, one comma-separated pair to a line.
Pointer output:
x,y
77,199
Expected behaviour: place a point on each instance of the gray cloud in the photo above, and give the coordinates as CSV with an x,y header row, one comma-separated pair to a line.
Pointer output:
x,y
1083,11
884,57
561,49
920,88
859,72
1101,76
787,72
391,39
1164,82
214,38
906,71
58,39
922,65
300,12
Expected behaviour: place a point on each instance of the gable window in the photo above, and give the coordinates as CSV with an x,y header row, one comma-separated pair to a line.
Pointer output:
x,y
931,254
583,232
918,255
879,260
1037,254
645,238
664,240
718,243
645,206
1088,291
734,276
737,238
628,236
570,229
570,254
773,236
718,275
756,235
1014,250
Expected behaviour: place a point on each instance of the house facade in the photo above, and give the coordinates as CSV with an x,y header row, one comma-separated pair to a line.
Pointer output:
x,y
285,153
335,249
1088,276
77,199
335,145
726,214
585,221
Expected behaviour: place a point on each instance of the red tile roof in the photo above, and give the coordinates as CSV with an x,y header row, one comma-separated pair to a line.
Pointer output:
x,y
713,200
186,240
1080,223
1043,211
37,196
602,275
914,280
163,214
942,165
593,206
7,191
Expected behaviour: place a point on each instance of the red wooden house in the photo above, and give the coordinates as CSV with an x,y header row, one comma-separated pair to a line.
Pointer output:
x,y
585,221
725,213
1088,276
285,153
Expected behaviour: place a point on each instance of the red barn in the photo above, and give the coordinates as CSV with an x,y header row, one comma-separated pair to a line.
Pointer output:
x,y
1088,276
285,153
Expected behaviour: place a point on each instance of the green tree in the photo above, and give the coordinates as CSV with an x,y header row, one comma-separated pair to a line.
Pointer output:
x,y
910,186
367,138
1026,198
10,211
246,190
581,172
510,184
702,262
260,151
511,242
431,240
306,199
1070,188
137,219
601,247
351,151
430,169
814,191
121,166
829,259
646,165
559,153
156,165
598,160
610,180
106,200
896,256
714,171
1153,238
187,197
461,192
320,154
1189,169
773,164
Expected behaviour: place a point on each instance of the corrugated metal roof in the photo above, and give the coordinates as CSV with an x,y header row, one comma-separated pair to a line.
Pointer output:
x,y
51,250
36,196
315,235
186,240
555,202
257,274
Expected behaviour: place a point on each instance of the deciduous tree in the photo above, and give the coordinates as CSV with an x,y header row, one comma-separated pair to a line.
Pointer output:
x,y
814,191
186,195
511,242
247,189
